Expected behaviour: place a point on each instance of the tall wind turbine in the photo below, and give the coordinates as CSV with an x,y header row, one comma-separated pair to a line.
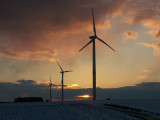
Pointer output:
x,y
50,86
93,38
62,71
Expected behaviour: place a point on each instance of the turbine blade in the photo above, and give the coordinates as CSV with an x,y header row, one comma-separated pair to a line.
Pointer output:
x,y
60,66
94,27
85,45
50,79
105,44
68,71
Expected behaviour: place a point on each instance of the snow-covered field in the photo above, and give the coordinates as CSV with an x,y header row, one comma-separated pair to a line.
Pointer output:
x,y
75,110
147,104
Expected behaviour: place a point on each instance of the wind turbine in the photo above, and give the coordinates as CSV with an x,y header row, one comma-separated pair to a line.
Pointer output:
x,y
62,71
50,86
93,38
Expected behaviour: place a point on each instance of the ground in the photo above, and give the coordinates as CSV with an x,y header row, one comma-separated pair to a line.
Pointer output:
x,y
69,110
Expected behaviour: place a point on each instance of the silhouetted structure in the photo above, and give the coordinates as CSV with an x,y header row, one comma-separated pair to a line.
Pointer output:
x,y
47,100
50,86
29,99
62,71
93,38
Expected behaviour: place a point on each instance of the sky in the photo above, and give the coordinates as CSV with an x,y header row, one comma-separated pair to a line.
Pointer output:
x,y
34,34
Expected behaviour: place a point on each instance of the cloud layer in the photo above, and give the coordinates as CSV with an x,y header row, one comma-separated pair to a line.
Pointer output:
x,y
33,29
28,29
129,35
155,46
24,88
145,13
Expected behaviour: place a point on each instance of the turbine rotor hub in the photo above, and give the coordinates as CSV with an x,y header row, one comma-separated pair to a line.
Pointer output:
x,y
93,37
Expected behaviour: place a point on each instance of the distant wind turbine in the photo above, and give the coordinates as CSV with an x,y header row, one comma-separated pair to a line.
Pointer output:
x,y
94,54
62,71
50,86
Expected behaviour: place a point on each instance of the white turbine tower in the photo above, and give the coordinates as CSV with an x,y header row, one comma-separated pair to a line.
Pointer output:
x,y
62,71
93,38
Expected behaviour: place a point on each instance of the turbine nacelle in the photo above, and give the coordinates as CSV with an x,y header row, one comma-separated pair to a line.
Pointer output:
x,y
93,37
50,84
65,71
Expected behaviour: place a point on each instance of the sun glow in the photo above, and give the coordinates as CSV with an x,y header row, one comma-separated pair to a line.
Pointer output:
x,y
84,96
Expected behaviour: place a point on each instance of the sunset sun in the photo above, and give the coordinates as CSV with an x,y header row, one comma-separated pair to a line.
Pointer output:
x,y
84,96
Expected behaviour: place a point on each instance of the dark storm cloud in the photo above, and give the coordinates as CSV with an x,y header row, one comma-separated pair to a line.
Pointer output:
x,y
26,82
53,14
27,27
23,88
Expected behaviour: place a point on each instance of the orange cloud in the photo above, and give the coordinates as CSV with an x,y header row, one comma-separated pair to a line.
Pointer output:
x,y
142,77
129,35
37,31
152,23
144,12
25,54
146,70
155,28
72,85
69,86
156,47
